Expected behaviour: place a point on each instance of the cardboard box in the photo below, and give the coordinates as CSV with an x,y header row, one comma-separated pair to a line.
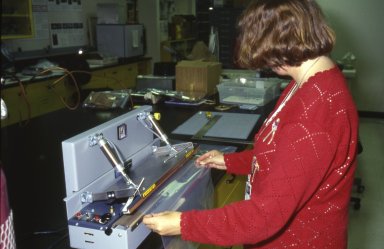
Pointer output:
x,y
198,76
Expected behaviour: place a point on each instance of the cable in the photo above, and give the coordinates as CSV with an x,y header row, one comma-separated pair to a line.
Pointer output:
x,y
62,232
48,232
57,242
67,73
23,94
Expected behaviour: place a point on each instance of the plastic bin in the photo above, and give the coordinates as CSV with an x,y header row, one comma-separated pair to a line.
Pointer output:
x,y
249,91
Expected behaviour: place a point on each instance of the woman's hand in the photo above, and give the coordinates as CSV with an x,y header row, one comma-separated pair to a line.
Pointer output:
x,y
164,223
211,159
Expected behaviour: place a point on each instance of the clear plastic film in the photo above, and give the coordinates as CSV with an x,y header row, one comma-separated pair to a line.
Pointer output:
x,y
198,195
107,99
192,188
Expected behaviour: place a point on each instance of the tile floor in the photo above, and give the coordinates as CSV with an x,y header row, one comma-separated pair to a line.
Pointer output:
x,y
366,224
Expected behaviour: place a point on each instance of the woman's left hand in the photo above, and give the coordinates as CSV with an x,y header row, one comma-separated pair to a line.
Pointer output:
x,y
164,223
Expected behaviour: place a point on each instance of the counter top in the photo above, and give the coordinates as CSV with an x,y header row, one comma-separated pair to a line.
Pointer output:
x,y
55,73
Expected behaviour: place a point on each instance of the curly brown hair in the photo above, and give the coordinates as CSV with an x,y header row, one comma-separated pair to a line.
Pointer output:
x,y
275,33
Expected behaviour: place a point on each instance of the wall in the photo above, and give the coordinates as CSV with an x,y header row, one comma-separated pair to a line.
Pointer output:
x,y
358,26
42,39
149,15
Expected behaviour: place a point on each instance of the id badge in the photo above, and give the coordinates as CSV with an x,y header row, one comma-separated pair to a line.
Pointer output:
x,y
248,185
248,188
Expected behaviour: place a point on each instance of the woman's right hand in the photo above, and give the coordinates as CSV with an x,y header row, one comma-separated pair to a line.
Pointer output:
x,y
211,159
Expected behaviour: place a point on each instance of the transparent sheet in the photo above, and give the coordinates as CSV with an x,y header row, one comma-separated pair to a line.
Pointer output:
x,y
190,188
106,99
199,191
195,193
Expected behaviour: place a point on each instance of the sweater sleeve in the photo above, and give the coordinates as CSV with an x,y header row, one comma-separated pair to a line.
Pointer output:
x,y
303,154
239,163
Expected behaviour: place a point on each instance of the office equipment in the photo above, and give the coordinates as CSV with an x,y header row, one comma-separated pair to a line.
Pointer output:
x,y
123,41
119,171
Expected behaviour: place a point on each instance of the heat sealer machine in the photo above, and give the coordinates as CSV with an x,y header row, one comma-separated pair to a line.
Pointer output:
x,y
117,172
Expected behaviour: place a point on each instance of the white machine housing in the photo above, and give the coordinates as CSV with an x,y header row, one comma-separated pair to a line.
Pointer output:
x,y
88,170
171,184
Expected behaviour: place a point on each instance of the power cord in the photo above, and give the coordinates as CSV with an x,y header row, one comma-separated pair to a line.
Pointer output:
x,y
57,242
54,232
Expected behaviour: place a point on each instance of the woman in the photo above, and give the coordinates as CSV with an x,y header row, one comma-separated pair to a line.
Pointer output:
x,y
301,168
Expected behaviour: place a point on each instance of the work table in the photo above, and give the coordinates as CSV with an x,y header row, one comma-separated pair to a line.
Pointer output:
x,y
31,157
32,97
55,73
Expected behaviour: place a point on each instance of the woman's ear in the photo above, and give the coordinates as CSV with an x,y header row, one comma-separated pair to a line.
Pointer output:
x,y
282,70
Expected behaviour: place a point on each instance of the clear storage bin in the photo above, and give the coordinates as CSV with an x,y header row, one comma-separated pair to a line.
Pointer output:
x,y
249,91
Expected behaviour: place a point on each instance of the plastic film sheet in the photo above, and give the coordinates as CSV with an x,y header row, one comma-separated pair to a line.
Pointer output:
x,y
196,192
189,188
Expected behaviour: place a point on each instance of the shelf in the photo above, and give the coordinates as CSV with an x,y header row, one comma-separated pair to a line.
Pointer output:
x,y
16,19
182,46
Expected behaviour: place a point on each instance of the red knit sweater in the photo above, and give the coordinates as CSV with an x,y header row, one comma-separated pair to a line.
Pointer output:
x,y
301,188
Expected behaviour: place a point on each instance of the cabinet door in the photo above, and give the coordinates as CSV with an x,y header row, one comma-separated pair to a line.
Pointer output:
x,y
118,77
125,76
97,80
144,67
229,189
46,97
16,19
40,98
16,104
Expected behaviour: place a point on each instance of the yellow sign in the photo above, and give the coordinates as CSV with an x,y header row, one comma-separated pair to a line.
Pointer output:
x,y
149,190
188,154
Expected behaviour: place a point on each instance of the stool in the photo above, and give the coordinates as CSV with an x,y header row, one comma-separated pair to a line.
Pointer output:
x,y
358,182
